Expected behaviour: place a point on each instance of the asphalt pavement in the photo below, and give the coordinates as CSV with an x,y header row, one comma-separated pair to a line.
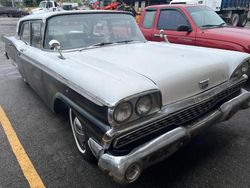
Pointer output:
x,y
219,157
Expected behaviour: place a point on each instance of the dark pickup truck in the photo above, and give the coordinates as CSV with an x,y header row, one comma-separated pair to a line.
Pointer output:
x,y
10,11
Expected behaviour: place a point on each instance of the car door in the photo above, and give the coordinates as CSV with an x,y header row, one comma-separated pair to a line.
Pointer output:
x,y
31,35
147,24
14,46
170,20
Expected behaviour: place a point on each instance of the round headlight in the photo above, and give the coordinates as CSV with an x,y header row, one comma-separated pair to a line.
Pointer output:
x,y
123,112
143,105
244,68
237,73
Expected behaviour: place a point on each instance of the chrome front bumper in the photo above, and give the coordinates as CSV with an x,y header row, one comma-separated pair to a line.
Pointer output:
x,y
165,145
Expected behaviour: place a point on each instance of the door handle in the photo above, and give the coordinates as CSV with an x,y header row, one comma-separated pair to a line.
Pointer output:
x,y
157,35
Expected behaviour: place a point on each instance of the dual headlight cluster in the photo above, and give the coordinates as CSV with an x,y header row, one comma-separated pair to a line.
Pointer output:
x,y
242,69
135,108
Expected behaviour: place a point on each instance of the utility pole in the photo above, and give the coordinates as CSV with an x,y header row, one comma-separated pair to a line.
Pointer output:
x,y
13,3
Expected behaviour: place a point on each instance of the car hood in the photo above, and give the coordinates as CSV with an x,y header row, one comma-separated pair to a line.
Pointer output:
x,y
176,70
232,34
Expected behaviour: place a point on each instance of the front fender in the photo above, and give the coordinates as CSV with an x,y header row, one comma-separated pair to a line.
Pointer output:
x,y
95,127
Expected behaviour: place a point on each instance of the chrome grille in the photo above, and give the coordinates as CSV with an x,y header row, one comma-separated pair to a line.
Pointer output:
x,y
177,118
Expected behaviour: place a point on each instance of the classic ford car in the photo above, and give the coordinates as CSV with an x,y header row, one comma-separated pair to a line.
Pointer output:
x,y
131,102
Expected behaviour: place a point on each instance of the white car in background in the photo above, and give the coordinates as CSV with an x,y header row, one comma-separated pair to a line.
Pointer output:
x,y
46,6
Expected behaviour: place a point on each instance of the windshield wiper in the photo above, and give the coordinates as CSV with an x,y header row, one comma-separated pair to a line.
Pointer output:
x,y
108,43
222,24
209,25
97,44
127,41
214,25
102,44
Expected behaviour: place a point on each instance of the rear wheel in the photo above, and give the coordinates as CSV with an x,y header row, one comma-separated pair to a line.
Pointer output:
x,y
80,136
235,19
242,20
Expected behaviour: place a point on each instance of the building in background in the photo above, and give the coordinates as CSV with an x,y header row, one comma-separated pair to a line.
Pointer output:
x,y
139,5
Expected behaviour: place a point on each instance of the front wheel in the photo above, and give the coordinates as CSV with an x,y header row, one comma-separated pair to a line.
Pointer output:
x,y
235,19
80,136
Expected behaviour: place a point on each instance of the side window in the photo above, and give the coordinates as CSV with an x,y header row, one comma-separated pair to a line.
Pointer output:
x,y
50,4
36,34
171,19
25,32
148,19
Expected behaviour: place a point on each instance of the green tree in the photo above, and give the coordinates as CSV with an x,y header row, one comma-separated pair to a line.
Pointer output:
x,y
6,2
30,3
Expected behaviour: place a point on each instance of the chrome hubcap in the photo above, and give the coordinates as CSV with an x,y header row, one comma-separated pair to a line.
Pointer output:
x,y
78,132
78,126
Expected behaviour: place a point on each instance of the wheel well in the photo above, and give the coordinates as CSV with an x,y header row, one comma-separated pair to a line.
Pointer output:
x,y
60,106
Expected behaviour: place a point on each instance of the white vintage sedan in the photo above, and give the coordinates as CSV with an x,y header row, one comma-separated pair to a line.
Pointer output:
x,y
131,102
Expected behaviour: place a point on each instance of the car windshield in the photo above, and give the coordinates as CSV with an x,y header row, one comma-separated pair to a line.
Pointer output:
x,y
205,17
42,4
92,29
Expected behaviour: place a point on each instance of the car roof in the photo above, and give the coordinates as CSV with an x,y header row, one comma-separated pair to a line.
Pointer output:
x,y
172,5
46,15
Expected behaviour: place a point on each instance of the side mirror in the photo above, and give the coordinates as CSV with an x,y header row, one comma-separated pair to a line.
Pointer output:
x,y
161,33
163,36
55,45
186,28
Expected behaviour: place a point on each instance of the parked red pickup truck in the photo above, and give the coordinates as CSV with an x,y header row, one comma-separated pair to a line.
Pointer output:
x,y
196,25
